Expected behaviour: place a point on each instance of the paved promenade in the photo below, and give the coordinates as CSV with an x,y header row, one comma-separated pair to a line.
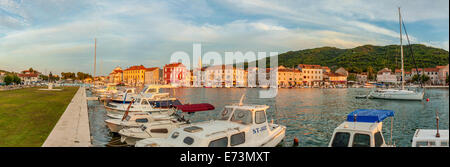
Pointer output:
x,y
72,129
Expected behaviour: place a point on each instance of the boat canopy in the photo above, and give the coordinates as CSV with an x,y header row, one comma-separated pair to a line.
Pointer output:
x,y
195,107
369,115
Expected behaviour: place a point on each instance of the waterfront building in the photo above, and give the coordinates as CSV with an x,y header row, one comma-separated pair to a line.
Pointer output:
x,y
289,77
325,69
285,77
442,74
386,76
175,74
312,74
342,71
198,77
337,78
430,72
152,76
214,76
86,80
134,75
398,74
116,76
224,75
361,78
252,77
298,77
29,77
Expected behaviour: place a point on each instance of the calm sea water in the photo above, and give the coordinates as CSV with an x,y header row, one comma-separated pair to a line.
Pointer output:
x,y
310,114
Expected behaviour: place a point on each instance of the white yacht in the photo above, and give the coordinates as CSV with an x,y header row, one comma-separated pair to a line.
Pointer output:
x,y
238,126
398,94
363,128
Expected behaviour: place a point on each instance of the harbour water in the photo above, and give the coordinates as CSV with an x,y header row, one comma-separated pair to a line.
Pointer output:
x,y
310,114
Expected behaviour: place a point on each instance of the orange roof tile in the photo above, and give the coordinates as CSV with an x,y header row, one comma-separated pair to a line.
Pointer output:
x,y
308,66
141,67
173,65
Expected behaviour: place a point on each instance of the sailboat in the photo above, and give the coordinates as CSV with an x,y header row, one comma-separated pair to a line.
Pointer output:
x,y
398,94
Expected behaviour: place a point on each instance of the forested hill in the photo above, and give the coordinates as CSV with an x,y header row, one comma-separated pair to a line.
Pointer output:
x,y
360,58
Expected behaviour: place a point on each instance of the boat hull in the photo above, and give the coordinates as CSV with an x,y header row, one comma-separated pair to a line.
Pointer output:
x,y
398,95
277,138
115,128
129,140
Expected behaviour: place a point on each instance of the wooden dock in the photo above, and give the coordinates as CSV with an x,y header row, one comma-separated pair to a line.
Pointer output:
x,y
72,129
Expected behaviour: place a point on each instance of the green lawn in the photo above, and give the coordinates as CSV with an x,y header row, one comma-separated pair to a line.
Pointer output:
x,y
27,116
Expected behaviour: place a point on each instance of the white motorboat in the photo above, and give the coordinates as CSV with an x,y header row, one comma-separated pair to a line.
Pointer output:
x,y
125,96
363,128
430,137
134,120
154,103
398,94
238,126
156,129
161,128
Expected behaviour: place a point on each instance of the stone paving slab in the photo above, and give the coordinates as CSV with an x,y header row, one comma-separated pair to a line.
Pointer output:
x,y
72,129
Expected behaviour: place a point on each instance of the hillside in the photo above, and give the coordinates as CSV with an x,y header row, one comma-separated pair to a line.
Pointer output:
x,y
360,58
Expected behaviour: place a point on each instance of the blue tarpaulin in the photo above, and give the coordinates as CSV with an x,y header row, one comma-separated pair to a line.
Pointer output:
x,y
369,115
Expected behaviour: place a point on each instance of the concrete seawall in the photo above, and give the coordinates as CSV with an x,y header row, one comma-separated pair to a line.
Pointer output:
x,y
72,129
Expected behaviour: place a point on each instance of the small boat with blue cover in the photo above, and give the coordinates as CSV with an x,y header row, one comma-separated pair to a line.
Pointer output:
x,y
363,128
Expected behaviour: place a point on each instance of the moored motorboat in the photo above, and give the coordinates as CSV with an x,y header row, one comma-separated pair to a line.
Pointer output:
x,y
161,128
363,128
238,126
134,120
430,137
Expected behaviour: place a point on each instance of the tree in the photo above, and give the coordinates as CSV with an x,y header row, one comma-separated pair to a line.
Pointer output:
x,y
43,77
8,80
31,70
68,75
370,75
423,78
16,79
50,77
351,77
446,79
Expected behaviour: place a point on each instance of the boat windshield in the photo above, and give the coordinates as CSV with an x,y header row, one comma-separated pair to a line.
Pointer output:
x,y
242,116
143,90
225,114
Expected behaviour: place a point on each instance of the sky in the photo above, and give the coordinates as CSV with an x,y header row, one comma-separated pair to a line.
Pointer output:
x,y
58,35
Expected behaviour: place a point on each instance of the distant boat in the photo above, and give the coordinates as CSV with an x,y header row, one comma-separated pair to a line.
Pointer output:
x,y
397,94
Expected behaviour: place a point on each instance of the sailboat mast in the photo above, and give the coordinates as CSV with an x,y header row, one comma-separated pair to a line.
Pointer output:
x,y
95,59
401,48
